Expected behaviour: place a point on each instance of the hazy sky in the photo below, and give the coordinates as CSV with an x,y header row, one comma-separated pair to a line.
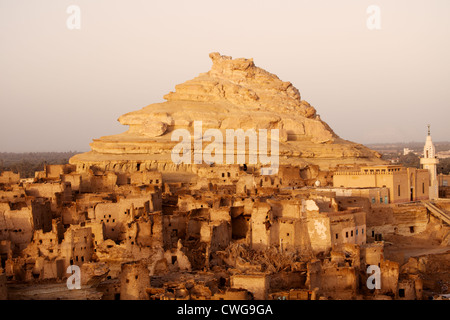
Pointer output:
x,y
61,88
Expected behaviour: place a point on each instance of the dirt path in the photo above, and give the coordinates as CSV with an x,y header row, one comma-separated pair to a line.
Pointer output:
x,y
414,252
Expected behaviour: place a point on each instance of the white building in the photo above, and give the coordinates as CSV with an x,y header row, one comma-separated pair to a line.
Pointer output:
x,y
430,161
406,151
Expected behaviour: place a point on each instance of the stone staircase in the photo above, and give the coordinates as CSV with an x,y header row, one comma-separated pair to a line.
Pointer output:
x,y
435,211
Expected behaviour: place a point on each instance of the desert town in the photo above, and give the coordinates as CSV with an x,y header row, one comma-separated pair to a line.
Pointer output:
x,y
141,227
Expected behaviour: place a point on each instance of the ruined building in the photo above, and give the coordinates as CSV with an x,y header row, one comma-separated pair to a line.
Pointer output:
x,y
137,225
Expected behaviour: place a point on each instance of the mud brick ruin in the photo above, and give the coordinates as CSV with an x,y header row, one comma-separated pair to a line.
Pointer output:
x,y
140,226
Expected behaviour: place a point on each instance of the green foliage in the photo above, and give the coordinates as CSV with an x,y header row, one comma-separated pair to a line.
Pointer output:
x,y
28,163
413,160
443,166
410,160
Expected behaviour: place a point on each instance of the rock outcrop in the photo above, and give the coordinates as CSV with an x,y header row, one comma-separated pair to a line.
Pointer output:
x,y
234,94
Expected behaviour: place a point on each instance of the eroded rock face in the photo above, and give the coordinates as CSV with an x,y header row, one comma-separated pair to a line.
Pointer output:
x,y
234,94
153,128
240,82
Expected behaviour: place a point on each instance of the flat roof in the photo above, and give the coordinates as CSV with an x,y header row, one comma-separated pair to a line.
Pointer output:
x,y
377,166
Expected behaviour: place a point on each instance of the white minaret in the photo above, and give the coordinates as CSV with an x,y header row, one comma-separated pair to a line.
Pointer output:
x,y
429,161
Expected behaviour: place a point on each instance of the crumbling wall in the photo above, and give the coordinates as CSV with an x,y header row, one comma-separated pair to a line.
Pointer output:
x,y
5,252
188,203
44,269
319,231
339,282
110,289
93,272
348,227
74,179
176,259
146,178
288,209
406,290
261,221
77,246
42,214
389,271
51,191
114,215
219,173
232,294
150,231
245,185
44,190
70,214
3,288
13,193
44,244
97,232
410,219
373,253
290,176
54,171
144,232
134,280
282,281
220,235
240,224
433,270
332,281
9,177
313,274
16,226
173,228
91,183
220,214
257,284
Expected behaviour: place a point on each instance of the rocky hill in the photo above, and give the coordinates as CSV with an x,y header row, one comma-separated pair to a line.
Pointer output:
x,y
234,94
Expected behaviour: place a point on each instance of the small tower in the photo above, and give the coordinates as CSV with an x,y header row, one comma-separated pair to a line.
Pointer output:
x,y
134,280
429,161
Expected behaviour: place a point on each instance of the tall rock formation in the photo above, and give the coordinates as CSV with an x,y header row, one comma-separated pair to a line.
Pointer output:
x,y
234,94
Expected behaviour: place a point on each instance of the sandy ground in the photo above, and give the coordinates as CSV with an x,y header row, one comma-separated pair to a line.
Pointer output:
x,y
50,291
400,248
